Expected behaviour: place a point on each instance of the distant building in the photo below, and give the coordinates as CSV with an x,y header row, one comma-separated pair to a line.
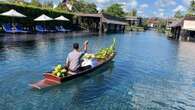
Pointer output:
x,y
153,22
134,21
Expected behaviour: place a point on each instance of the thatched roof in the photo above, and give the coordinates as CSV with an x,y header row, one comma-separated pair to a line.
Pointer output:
x,y
106,18
109,21
178,23
88,15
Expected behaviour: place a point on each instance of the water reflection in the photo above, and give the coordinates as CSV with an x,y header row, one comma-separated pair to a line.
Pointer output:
x,y
88,93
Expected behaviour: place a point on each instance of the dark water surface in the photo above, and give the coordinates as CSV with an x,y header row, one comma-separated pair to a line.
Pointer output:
x,y
149,72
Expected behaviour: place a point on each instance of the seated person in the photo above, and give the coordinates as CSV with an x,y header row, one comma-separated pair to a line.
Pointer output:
x,y
73,61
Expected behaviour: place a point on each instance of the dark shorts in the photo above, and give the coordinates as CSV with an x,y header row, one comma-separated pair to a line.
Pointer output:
x,y
84,68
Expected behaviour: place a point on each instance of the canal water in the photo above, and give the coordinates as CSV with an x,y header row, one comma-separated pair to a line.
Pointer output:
x,y
149,72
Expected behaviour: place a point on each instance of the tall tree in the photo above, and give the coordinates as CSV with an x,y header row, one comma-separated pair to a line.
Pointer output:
x,y
35,3
191,10
17,1
115,10
178,14
133,12
48,4
84,7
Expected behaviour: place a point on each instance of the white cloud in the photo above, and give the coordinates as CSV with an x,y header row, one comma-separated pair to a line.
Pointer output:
x,y
144,6
161,14
165,3
102,1
161,10
179,8
186,2
133,3
125,8
139,12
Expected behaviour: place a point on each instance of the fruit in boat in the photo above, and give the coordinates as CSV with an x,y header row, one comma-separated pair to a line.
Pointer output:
x,y
58,74
89,56
59,71
106,52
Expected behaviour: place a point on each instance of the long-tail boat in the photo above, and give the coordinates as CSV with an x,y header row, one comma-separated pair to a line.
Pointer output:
x,y
53,80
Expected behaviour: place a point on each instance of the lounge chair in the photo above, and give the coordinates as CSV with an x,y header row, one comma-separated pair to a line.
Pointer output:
x,y
10,29
20,30
41,28
61,29
66,30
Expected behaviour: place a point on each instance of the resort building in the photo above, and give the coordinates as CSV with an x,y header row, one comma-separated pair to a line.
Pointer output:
x,y
100,22
153,22
183,29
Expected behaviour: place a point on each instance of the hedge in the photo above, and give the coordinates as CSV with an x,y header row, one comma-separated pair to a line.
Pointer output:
x,y
31,12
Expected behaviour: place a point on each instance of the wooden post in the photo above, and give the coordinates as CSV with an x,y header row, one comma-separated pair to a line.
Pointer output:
x,y
100,25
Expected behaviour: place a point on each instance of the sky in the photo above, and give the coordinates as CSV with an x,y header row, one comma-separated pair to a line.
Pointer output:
x,y
146,8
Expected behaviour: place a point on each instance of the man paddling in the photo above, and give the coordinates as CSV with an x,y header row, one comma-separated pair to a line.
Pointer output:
x,y
73,61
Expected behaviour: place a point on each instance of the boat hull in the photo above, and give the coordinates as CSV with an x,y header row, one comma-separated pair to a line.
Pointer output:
x,y
52,80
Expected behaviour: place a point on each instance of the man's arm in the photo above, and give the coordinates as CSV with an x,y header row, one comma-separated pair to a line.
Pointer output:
x,y
85,46
67,62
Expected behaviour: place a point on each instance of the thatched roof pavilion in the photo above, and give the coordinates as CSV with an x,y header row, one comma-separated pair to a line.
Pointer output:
x,y
101,22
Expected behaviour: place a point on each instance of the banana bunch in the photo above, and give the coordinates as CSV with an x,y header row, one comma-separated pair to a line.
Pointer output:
x,y
106,52
89,56
59,71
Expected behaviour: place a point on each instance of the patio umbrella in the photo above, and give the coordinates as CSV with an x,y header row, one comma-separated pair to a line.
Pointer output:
x,y
43,17
12,13
62,18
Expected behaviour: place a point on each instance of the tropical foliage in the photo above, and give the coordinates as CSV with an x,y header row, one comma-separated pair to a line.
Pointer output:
x,y
191,10
162,25
84,7
115,10
35,3
178,14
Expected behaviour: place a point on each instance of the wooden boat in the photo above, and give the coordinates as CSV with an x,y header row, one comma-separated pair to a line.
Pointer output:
x,y
52,80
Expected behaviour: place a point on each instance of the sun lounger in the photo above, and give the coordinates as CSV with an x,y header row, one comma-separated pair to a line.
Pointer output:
x,y
41,28
20,30
10,29
61,29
